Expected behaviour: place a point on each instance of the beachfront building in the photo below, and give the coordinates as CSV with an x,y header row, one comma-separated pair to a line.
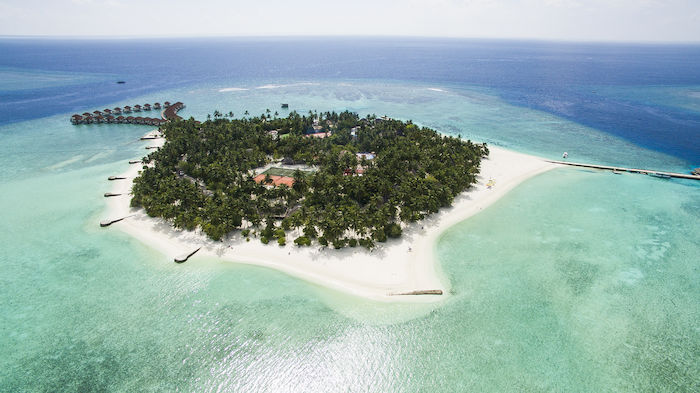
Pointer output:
x,y
366,156
318,135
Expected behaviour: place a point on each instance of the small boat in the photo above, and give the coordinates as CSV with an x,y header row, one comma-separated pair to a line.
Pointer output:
x,y
659,175
121,82
616,172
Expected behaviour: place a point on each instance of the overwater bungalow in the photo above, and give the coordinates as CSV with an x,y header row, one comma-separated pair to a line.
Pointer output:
x,y
99,119
127,109
109,118
166,104
156,105
120,119
137,108
76,119
97,113
130,119
107,111
117,110
147,107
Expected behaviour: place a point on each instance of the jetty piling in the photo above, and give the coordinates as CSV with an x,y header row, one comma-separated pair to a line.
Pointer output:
x,y
184,257
419,292
106,223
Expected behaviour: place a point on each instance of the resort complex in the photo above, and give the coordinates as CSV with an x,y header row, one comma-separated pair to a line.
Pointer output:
x,y
331,178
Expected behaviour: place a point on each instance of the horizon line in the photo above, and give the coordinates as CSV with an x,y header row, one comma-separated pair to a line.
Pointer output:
x,y
345,36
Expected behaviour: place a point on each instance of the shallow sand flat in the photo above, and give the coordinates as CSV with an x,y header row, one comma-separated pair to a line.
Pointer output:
x,y
398,266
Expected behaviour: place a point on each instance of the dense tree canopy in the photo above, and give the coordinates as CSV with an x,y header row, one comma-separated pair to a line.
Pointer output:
x,y
203,177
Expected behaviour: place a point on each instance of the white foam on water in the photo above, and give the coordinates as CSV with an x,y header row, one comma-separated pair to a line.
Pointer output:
x,y
65,163
227,89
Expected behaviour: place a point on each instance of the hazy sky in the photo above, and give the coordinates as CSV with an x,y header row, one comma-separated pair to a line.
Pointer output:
x,y
589,20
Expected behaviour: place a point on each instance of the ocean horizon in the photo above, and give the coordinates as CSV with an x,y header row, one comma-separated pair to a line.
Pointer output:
x,y
577,280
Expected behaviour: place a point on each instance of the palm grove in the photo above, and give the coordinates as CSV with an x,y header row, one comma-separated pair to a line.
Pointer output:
x,y
203,176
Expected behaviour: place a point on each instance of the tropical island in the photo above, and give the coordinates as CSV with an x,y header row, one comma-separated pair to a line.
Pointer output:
x,y
332,179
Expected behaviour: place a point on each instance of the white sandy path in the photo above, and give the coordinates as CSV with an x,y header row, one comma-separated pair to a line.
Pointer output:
x,y
389,269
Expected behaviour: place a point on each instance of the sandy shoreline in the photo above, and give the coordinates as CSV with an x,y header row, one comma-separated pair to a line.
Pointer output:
x,y
398,266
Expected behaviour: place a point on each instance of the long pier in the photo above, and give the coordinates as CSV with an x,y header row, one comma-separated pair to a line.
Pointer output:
x,y
631,170
116,115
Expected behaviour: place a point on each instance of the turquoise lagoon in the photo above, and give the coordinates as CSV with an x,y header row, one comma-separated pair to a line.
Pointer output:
x,y
575,281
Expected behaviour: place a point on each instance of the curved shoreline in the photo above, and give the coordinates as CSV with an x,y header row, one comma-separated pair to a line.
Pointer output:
x,y
397,266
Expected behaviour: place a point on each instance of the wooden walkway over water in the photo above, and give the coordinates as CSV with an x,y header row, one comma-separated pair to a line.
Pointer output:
x,y
114,116
631,170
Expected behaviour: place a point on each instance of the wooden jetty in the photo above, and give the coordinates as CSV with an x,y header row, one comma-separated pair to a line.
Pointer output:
x,y
111,194
116,178
152,147
146,138
134,161
660,174
106,223
184,257
419,292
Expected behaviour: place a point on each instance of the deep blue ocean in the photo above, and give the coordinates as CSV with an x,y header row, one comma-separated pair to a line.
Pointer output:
x,y
575,281
569,80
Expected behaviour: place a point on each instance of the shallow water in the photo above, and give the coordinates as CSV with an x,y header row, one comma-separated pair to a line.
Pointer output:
x,y
576,281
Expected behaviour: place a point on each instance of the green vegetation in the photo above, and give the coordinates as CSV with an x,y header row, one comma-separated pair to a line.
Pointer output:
x,y
203,177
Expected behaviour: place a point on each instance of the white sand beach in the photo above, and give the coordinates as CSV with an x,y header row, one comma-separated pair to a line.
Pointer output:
x,y
397,266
